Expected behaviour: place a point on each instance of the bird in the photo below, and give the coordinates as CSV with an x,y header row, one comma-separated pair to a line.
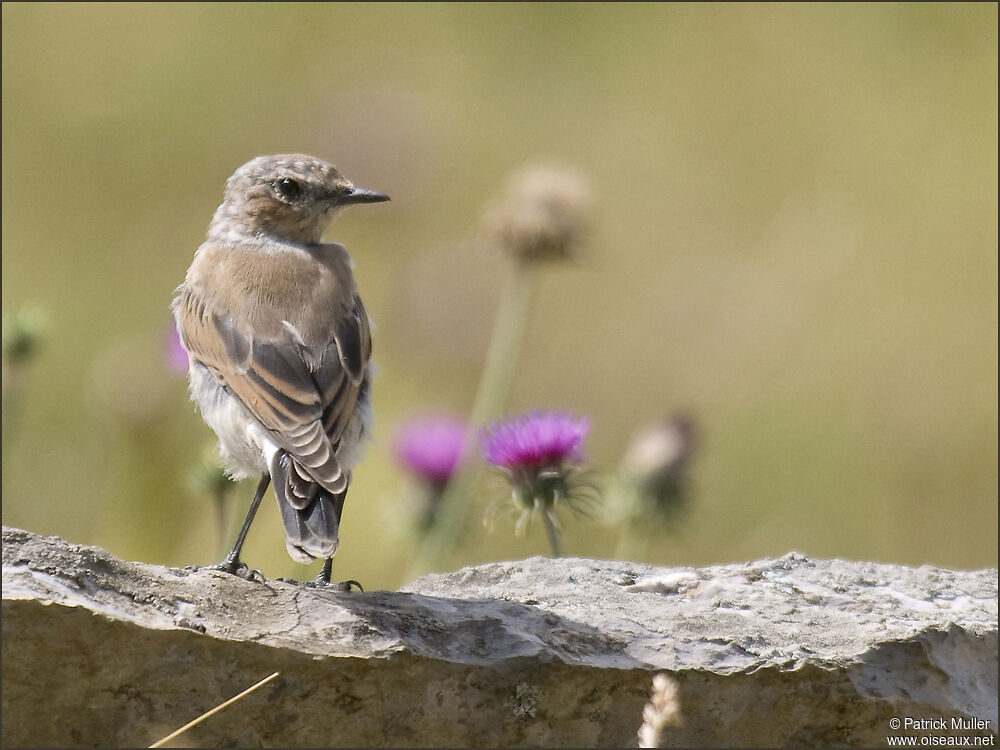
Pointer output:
x,y
279,347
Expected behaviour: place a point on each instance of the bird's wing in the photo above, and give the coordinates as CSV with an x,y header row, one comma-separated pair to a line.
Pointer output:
x,y
304,408
339,377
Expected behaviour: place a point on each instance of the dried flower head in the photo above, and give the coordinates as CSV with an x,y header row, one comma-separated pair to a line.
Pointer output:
x,y
541,216
539,452
656,465
430,447
174,354
663,710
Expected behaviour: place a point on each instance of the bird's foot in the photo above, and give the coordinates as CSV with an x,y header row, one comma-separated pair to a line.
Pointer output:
x,y
319,582
343,586
234,567
323,579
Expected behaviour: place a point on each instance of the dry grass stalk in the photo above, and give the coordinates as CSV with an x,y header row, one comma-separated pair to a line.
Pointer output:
x,y
231,701
663,709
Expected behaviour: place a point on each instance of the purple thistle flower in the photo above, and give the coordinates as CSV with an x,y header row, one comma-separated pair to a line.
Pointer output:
x,y
535,440
431,446
174,354
539,452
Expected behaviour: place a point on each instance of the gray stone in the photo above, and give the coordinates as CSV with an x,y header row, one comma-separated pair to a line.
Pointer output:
x,y
537,652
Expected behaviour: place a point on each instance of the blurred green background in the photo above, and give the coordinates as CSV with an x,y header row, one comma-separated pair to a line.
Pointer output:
x,y
794,239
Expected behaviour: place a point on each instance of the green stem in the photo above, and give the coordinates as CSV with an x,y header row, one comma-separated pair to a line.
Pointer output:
x,y
221,530
501,359
13,410
553,533
632,544
494,384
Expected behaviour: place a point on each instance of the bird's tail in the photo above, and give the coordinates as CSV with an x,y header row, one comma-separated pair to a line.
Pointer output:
x,y
310,513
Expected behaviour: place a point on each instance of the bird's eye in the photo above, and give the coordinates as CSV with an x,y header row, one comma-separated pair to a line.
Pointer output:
x,y
288,188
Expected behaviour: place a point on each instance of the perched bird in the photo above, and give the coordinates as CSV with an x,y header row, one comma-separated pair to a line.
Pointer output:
x,y
279,346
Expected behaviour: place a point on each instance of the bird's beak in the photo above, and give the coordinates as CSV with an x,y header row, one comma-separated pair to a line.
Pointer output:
x,y
359,195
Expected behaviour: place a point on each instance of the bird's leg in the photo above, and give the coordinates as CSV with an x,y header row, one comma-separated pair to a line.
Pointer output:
x,y
324,575
232,563
323,579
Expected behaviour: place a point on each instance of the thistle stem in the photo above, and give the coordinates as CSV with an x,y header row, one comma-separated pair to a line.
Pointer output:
x,y
221,532
553,534
632,544
501,359
13,407
494,384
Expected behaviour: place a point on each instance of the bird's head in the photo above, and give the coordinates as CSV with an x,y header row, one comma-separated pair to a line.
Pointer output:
x,y
289,196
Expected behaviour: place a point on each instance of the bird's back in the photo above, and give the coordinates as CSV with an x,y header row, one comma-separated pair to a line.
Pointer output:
x,y
291,341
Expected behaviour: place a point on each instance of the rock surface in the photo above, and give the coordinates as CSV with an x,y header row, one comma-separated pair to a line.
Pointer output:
x,y
537,652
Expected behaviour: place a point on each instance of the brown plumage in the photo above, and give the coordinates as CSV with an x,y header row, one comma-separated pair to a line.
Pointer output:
x,y
280,343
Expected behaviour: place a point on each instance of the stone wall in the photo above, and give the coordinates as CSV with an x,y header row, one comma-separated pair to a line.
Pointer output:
x,y
537,652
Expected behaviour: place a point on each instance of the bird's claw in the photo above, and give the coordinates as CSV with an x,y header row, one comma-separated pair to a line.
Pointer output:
x,y
321,583
236,568
342,586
